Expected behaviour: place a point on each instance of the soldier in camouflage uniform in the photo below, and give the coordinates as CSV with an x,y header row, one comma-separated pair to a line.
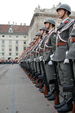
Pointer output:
x,y
64,71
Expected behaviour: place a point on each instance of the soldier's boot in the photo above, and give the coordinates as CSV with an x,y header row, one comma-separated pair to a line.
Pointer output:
x,y
46,90
30,76
60,104
51,95
56,101
41,88
40,81
66,105
56,92
65,100
73,94
51,98
54,95
39,85
34,80
37,81
73,110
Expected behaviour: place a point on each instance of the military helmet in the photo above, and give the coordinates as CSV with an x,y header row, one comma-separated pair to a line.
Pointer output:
x,y
38,34
51,21
72,34
44,28
64,6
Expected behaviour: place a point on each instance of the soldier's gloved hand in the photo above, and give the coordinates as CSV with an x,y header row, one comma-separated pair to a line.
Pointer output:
x,y
41,58
66,61
66,52
34,59
29,60
50,62
51,56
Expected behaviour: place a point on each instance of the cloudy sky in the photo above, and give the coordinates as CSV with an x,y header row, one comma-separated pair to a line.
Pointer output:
x,y
21,11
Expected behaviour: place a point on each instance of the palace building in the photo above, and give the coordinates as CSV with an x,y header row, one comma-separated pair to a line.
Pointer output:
x,y
12,40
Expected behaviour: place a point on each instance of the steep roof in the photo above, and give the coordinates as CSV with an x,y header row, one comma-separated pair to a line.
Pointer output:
x,y
14,29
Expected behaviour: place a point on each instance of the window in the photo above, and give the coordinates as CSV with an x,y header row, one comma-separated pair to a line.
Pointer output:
x,y
2,54
16,54
10,30
16,41
10,49
3,35
10,54
24,42
9,58
16,48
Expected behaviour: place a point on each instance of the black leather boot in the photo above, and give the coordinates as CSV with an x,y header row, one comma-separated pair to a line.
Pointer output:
x,y
51,97
60,104
66,107
50,93
73,110
73,94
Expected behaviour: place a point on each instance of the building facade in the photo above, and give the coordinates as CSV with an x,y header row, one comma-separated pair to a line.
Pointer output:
x,y
13,40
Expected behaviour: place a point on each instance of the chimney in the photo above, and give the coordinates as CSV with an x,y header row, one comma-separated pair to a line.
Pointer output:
x,y
8,22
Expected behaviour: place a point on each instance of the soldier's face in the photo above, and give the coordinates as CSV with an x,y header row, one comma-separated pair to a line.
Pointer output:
x,y
44,33
47,25
41,31
61,13
36,37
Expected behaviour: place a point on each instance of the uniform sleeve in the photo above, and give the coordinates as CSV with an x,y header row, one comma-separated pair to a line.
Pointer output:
x,y
53,41
70,32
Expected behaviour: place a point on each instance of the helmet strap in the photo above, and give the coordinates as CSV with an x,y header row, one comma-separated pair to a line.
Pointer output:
x,y
65,15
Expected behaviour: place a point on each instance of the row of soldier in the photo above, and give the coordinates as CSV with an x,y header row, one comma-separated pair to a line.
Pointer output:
x,y
50,60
